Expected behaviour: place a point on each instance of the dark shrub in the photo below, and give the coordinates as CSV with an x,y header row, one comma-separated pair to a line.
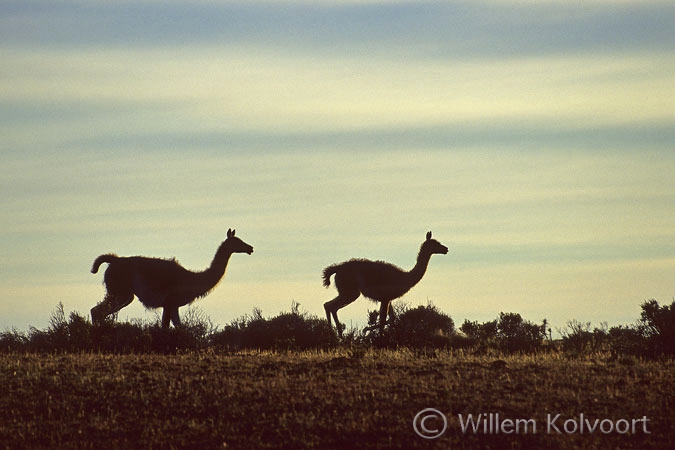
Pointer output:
x,y
658,325
652,336
79,333
121,337
171,340
13,341
628,340
423,327
287,331
518,335
480,333
509,333
62,335
292,331
578,339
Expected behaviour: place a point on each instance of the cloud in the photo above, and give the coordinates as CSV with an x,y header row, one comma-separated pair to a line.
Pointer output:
x,y
453,29
228,72
231,95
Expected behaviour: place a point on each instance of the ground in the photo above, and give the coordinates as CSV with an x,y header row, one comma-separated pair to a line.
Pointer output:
x,y
338,399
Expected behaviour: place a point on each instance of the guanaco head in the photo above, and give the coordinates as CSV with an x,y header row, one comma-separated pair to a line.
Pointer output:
x,y
236,244
432,246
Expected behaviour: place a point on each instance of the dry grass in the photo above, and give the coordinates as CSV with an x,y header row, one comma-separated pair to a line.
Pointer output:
x,y
339,399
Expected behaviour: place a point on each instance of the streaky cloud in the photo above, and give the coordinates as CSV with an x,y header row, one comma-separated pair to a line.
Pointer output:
x,y
435,29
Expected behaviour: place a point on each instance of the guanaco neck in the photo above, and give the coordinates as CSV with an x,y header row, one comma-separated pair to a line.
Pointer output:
x,y
417,272
210,277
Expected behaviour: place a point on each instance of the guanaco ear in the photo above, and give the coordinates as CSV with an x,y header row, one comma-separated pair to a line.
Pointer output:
x,y
429,236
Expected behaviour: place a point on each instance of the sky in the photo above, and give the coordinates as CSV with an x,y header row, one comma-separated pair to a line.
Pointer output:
x,y
535,139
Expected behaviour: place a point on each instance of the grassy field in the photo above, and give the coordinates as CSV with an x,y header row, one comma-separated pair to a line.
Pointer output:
x,y
339,399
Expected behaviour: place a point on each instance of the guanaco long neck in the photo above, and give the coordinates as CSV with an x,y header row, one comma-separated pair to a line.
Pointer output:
x,y
210,277
417,272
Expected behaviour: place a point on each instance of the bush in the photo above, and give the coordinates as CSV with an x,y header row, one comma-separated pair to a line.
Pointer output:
x,y
62,335
424,327
288,331
625,340
509,333
578,339
480,331
658,327
150,337
652,336
77,334
121,337
13,341
517,335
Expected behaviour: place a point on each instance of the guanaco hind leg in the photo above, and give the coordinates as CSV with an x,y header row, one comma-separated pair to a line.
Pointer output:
x,y
385,310
331,308
338,302
170,314
110,305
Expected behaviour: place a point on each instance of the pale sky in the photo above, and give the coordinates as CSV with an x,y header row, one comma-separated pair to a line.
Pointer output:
x,y
536,139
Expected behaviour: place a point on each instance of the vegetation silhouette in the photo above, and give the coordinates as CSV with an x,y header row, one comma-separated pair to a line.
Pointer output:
x,y
423,328
509,333
160,282
293,330
376,280
652,336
